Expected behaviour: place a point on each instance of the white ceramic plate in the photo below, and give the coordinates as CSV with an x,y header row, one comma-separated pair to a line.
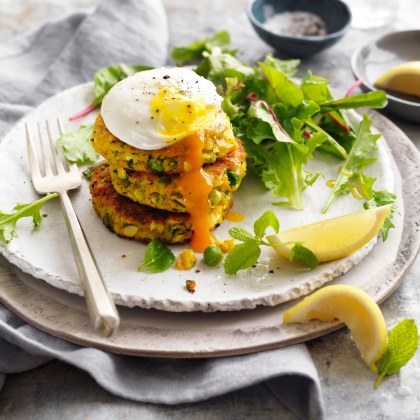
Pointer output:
x,y
46,253
375,58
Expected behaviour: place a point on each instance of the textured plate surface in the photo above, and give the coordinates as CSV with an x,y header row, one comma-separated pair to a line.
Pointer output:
x,y
374,59
46,253
164,334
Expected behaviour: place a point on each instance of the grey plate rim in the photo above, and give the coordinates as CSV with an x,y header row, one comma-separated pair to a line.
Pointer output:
x,y
358,72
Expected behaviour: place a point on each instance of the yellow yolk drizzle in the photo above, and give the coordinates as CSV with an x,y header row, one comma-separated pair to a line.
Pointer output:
x,y
196,186
234,216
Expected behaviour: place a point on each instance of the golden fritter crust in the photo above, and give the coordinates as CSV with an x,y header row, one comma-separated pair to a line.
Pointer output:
x,y
162,191
132,220
218,142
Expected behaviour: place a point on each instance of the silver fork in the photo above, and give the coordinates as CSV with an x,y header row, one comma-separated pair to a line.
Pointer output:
x,y
54,174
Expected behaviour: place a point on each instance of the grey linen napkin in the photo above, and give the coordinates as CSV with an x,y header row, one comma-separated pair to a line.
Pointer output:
x,y
68,52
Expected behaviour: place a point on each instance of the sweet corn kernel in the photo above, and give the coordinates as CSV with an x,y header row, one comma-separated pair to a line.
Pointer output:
x,y
186,259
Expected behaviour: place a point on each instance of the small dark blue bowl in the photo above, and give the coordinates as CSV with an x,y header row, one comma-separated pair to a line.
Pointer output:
x,y
334,13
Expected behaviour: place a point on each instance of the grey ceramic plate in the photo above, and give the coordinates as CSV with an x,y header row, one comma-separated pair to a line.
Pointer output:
x,y
374,59
152,333
44,253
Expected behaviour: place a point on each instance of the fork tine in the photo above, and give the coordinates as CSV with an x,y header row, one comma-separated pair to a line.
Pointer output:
x,y
58,161
33,160
60,126
72,166
48,169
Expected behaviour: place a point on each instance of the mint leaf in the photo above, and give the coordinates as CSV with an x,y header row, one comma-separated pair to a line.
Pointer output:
x,y
240,234
242,256
8,220
304,255
268,219
158,257
77,146
403,341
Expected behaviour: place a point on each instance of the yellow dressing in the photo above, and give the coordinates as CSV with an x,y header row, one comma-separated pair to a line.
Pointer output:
x,y
234,216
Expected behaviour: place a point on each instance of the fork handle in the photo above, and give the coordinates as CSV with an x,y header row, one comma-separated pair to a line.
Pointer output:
x,y
101,308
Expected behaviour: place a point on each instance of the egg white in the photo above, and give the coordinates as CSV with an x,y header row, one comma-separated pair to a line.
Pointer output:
x,y
155,108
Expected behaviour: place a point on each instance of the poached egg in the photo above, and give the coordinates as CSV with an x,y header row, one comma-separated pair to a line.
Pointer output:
x,y
156,108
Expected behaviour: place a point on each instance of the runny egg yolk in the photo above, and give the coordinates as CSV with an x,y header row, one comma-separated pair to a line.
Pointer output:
x,y
196,186
178,115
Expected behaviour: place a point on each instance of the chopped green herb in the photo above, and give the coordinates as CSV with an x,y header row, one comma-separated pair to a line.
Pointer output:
x,y
233,177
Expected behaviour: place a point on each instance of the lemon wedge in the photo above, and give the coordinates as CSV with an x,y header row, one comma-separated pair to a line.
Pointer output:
x,y
333,238
404,78
352,306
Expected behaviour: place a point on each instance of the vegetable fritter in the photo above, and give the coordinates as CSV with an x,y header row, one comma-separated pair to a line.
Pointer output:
x,y
133,220
162,191
218,142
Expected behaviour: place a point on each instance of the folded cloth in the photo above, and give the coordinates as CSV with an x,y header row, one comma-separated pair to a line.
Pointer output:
x,y
66,53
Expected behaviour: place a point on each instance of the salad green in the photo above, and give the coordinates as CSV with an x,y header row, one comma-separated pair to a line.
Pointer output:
x,y
77,147
8,221
282,123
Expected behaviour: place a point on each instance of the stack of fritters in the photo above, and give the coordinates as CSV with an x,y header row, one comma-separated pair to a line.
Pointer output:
x,y
137,194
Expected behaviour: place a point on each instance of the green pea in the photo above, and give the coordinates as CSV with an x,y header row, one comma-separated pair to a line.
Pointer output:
x,y
213,255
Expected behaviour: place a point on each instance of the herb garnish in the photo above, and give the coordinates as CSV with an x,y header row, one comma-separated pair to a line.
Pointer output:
x,y
403,341
158,257
246,254
8,220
